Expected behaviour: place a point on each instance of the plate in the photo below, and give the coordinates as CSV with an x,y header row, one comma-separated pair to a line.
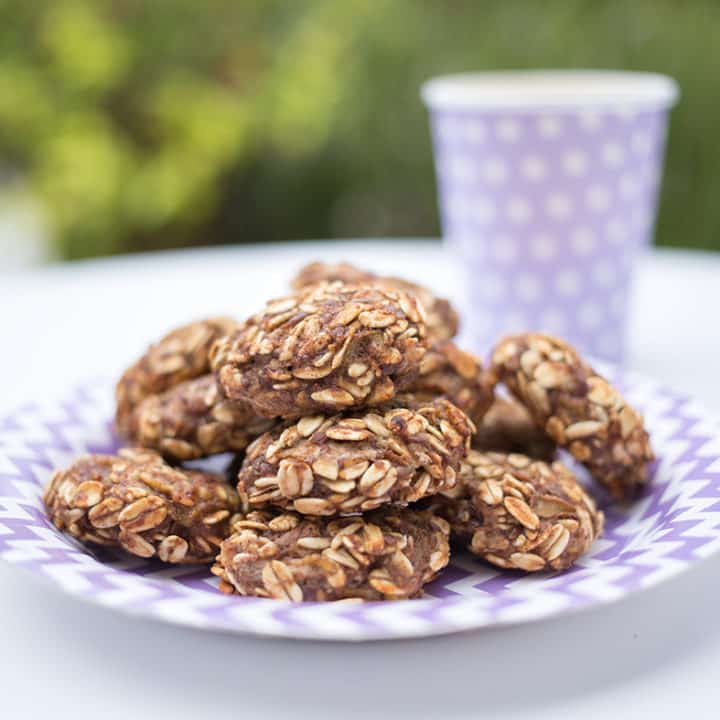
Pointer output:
x,y
673,526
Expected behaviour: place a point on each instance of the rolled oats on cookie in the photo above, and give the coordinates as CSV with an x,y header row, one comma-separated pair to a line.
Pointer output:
x,y
577,408
193,420
449,372
357,460
329,347
442,320
520,513
137,502
181,355
388,554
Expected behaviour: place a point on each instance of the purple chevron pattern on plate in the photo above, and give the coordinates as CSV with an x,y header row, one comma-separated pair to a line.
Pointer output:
x,y
674,525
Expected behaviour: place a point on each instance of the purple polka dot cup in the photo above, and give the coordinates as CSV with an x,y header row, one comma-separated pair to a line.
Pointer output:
x,y
548,185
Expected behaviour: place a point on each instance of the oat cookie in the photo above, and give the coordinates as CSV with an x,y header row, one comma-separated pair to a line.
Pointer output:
x,y
388,554
181,355
139,503
193,420
520,513
329,347
442,319
577,408
508,427
356,460
449,372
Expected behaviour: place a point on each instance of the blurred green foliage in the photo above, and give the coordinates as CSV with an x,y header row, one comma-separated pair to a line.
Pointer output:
x,y
161,123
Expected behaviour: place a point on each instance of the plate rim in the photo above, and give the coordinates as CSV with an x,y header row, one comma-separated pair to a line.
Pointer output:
x,y
357,616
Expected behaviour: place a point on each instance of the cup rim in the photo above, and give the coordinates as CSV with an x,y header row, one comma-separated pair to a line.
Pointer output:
x,y
532,90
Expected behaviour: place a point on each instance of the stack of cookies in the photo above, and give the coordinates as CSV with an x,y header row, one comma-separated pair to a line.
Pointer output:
x,y
364,442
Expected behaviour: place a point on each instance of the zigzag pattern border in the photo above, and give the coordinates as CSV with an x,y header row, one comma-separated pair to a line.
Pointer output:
x,y
675,525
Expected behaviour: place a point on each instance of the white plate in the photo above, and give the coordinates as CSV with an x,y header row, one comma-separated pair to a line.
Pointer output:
x,y
673,526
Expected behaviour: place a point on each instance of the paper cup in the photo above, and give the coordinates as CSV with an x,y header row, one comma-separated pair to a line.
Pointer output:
x,y
548,184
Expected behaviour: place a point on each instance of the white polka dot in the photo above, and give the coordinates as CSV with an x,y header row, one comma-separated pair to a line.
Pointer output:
x,y
457,207
492,288
519,210
575,163
640,143
504,249
598,198
590,315
553,321
617,302
494,171
443,168
475,132
533,168
461,169
558,206
635,219
590,121
604,274
628,186
455,225
515,321
613,155
617,232
469,242
642,218
482,211
527,287
583,241
625,262
508,130
447,129
549,126
567,283
542,246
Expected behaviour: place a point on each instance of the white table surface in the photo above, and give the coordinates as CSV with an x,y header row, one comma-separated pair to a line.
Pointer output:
x,y
652,655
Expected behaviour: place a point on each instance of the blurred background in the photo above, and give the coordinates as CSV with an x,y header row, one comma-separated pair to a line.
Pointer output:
x,y
128,125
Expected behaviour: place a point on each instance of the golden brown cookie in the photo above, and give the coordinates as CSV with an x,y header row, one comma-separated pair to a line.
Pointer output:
x,y
137,502
449,372
181,355
193,420
520,513
442,319
357,460
577,408
327,348
388,554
